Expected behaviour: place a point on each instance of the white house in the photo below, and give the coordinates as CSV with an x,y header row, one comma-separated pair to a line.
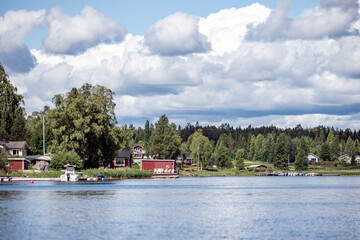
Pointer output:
x,y
15,147
347,158
312,158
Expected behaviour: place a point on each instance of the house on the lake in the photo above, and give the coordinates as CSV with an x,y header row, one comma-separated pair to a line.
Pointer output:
x,y
182,160
17,164
347,158
123,159
312,158
138,153
18,148
159,166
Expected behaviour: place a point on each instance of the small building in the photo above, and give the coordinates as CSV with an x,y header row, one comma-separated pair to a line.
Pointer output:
x,y
17,164
180,159
123,159
257,166
18,148
138,153
347,158
312,158
159,166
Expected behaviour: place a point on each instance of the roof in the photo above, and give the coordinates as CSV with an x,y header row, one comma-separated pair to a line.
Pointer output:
x,y
40,158
256,166
311,154
14,144
158,160
137,146
124,154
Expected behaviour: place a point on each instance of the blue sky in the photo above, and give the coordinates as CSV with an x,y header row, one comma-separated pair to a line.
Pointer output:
x,y
277,63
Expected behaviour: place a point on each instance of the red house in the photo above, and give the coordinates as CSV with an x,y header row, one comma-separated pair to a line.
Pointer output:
x,y
138,153
158,166
18,164
123,159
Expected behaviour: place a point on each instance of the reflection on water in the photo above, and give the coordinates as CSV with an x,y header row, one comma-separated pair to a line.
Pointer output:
x,y
186,208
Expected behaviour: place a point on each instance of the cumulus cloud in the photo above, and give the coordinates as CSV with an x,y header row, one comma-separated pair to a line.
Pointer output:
x,y
15,26
71,35
331,19
177,34
283,82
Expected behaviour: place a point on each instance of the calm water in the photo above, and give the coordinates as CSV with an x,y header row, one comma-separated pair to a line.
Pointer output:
x,y
185,208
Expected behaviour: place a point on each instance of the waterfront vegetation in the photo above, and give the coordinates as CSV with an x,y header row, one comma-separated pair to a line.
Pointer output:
x,y
82,129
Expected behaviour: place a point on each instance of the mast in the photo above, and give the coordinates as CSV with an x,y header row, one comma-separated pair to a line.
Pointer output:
x,y
43,135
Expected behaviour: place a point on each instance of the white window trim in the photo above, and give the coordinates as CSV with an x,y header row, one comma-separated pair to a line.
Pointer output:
x,y
119,165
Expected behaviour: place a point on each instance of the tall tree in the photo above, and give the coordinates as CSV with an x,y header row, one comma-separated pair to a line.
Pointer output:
x,y
281,157
325,154
147,135
165,140
240,159
84,121
201,148
12,120
301,162
333,142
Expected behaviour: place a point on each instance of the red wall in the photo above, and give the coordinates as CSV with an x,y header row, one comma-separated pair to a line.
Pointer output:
x,y
152,164
127,164
16,165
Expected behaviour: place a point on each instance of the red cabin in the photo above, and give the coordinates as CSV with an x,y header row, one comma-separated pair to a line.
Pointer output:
x,y
18,164
158,166
123,159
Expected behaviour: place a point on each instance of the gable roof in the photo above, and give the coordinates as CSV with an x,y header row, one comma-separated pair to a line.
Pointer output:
x,y
124,154
15,144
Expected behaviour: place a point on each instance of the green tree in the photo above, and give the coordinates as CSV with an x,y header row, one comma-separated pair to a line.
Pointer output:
x,y
353,160
258,151
222,154
333,142
201,148
301,162
12,120
280,156
165,140
325,154
240,159
3,159
147,135
61,158
84,121
350,146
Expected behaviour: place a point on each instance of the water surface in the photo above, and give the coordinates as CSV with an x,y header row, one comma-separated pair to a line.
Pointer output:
x,y
185,208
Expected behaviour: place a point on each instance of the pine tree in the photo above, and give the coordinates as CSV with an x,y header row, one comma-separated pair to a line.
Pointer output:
x,y
280,157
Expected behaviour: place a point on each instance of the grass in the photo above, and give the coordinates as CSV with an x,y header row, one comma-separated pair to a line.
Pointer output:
x,y
121,173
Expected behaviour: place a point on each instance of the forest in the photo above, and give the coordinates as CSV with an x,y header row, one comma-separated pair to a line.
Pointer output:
x,y
83,123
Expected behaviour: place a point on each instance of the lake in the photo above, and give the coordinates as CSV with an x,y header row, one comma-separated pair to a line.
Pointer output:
x,y
184,208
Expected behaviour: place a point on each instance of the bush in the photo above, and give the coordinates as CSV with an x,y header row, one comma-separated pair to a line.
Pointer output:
x,y
119,173
62,158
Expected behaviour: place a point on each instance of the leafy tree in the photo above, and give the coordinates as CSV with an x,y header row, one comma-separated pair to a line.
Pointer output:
x,y
165,140
258,151
201,148
333,142
240,158
12,120
222,155
84,121
350,146
325,154
301,162
281,157
353,162
3,159
62,158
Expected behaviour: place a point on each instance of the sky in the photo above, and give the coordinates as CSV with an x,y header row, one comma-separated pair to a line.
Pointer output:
x,y
258,63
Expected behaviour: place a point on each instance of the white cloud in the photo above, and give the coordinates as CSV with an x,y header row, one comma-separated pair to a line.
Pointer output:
x,y
330,19
235,81
14,27
227,28
72,35
177,34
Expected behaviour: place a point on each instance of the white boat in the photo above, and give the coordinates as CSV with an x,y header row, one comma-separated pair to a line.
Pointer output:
x,y
70,175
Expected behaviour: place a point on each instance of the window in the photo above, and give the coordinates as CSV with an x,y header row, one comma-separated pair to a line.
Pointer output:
x,y
119,162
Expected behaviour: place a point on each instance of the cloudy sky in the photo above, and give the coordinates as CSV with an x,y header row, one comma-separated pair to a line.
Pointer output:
x,y
245,62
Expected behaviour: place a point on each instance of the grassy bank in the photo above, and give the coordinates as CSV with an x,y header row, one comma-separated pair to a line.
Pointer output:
x,y
122,173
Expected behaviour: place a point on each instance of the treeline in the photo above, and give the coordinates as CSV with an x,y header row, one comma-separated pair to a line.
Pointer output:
x,y
83,126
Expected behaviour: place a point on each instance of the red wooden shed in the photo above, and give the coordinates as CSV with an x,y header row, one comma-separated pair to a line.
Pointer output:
x,y
158,166
18,164
123,159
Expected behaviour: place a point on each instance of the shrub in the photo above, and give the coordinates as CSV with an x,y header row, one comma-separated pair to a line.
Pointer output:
x,y
62,158
119,173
